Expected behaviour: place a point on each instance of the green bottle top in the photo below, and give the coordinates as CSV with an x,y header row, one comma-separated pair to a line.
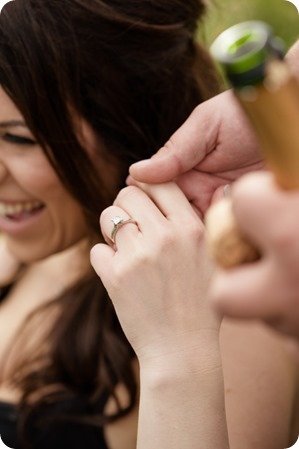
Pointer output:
x,y
244,51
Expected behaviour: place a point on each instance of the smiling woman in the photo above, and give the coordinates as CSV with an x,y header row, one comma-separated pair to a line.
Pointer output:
x,y
87,88
38,215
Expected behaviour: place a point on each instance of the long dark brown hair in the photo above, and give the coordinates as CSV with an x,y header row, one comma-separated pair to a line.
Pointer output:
x,y
133,70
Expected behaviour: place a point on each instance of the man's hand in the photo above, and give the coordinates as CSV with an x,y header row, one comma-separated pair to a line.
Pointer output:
x,y
267,289
215,146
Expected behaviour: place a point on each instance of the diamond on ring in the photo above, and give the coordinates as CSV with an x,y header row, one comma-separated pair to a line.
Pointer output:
x,y
118,222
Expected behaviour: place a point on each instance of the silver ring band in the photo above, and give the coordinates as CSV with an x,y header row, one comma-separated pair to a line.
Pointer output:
x,y
118,222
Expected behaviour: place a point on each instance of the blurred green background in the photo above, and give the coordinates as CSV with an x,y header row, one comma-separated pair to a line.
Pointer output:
x,y
280,14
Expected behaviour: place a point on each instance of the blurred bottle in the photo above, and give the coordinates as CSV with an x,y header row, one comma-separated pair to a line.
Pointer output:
x,y
252,60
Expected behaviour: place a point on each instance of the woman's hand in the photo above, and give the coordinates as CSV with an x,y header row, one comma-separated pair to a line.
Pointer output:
x,y
157,273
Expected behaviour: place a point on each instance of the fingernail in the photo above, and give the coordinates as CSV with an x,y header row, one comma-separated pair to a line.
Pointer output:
x,y
162,152
227,190
139,164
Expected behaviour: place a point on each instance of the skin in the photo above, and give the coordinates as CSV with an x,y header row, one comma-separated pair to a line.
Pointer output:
x,y
217,372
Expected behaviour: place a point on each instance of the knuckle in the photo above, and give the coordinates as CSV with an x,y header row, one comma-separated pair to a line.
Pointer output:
x,y
164,239
193,228
105,214
119,275
125,193
169,145
282,239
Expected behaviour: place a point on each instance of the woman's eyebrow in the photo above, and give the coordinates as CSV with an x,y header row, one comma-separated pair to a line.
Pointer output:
x,y
12,123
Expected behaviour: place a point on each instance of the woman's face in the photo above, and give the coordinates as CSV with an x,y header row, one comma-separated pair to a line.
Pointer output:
x,y
37,214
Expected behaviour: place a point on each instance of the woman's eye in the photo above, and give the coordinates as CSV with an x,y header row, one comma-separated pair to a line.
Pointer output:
x,y
18,139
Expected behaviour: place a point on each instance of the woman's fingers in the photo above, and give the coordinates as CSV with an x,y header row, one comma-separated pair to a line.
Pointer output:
x,y
144,209
115,221
101,258
153,205
156,272
169,199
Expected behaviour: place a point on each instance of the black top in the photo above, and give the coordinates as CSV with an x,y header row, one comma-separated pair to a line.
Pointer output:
x,y
46,432
8,424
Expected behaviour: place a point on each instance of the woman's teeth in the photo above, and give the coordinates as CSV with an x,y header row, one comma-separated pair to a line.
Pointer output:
x,y
17,209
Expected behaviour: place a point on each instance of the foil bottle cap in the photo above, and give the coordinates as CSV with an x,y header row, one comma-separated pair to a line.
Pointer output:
x,y
244,51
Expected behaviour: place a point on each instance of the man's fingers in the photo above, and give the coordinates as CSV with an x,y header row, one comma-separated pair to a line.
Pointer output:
x,y
185,149
264,212
244,292
162,167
